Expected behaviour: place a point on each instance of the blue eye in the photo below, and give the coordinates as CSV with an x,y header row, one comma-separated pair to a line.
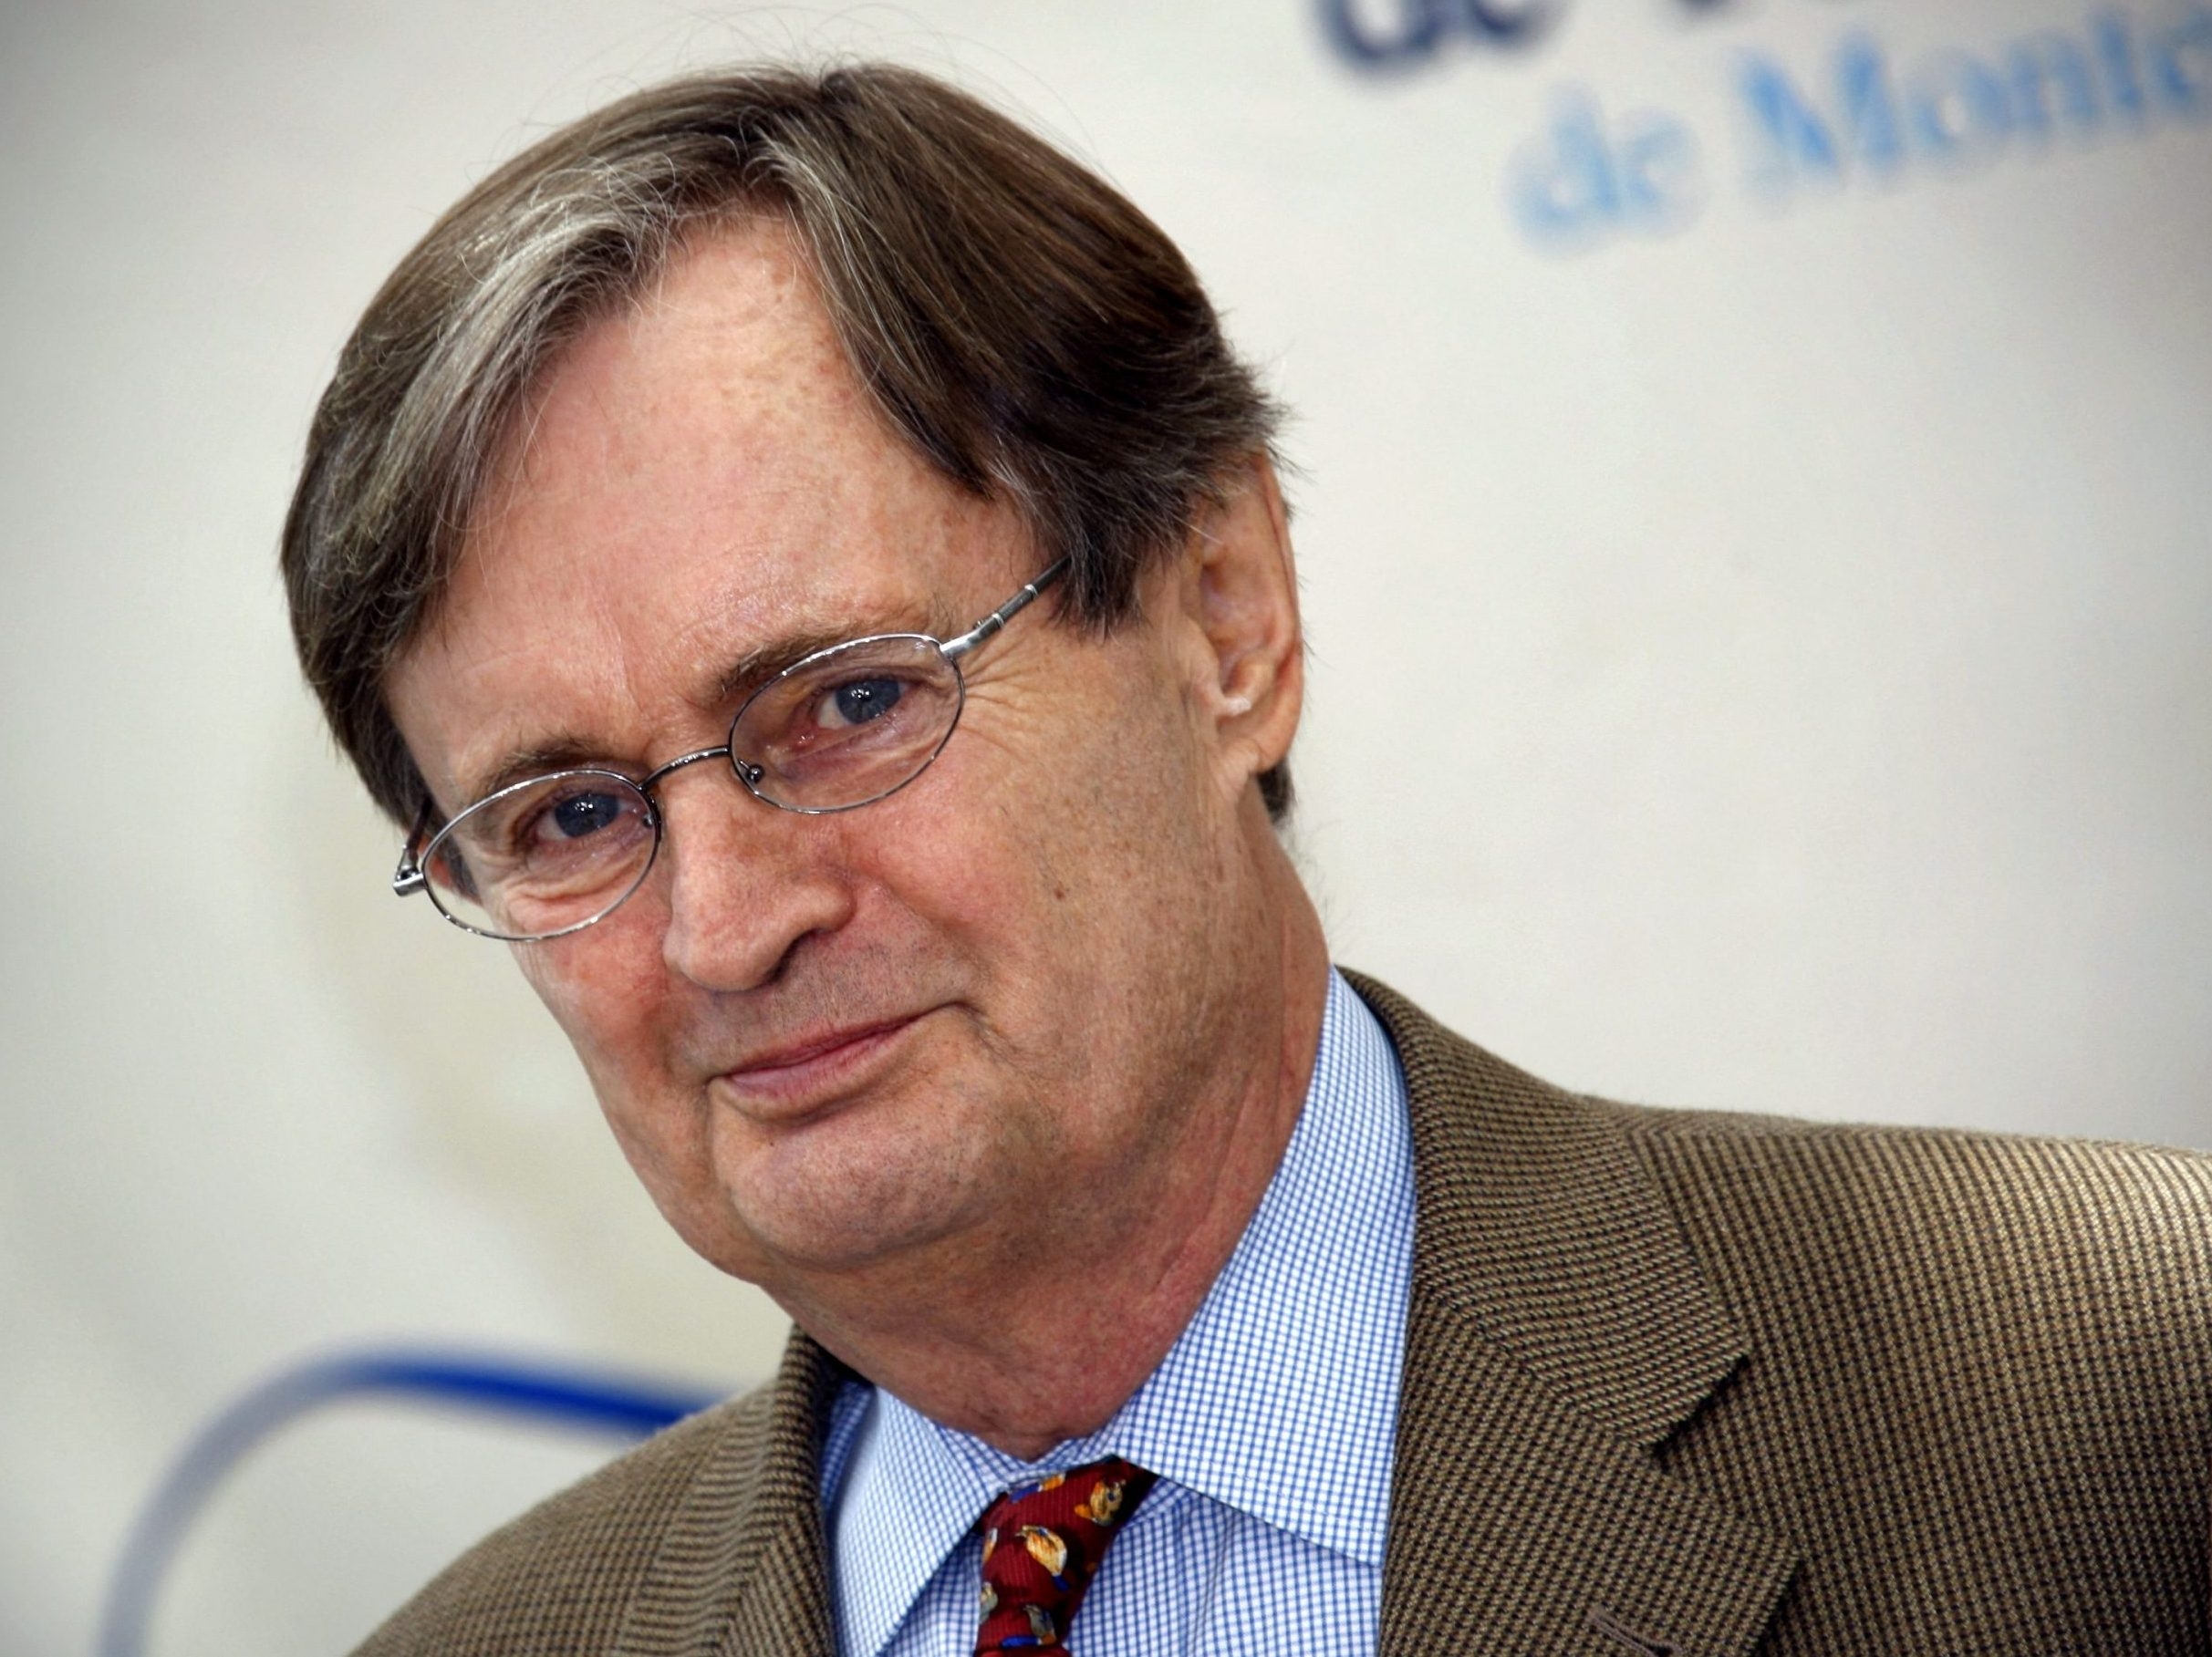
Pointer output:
x,y
863,699
582,814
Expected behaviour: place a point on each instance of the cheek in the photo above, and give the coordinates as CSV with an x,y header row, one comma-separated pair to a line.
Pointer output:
x,y
607,990
621,1012
946,907
1079,859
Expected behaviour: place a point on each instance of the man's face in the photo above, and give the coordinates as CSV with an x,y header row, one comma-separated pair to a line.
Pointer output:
x,y
825,1043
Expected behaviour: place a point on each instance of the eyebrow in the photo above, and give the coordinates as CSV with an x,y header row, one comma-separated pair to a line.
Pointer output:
x,y
757,667
519,765
750,671
739,680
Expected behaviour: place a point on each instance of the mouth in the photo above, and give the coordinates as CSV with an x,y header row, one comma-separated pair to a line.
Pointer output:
x,y
820,1069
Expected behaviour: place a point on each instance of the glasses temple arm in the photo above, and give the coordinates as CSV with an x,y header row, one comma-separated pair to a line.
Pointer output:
x,y
955,648
409,879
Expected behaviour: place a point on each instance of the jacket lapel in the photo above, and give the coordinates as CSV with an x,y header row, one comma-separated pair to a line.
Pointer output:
x,y
1560,1331
742,1568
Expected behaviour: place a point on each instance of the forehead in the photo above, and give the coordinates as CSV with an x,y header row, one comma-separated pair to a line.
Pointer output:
x,y
698,477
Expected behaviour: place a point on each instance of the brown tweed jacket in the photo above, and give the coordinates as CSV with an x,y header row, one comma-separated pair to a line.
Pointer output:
x,y
1674,1383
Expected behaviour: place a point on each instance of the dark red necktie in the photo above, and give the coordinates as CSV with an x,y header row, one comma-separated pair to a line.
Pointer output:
x,y
1042,1545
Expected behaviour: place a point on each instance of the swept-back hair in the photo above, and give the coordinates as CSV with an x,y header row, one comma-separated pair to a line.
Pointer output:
x,y
1033,336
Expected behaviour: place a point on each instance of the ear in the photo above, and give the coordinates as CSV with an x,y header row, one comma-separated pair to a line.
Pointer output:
x,y
1243,589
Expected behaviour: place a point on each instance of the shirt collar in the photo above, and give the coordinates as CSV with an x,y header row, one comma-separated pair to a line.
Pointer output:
x,y
1278,1399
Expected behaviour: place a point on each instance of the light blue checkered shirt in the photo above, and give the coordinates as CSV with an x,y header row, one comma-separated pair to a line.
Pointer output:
x,y
1270,1422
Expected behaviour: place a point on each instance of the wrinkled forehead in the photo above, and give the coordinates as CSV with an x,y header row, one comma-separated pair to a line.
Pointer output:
x,y
699,480
721,388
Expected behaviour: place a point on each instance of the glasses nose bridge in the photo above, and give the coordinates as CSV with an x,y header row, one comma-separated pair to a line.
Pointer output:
x,y
746,774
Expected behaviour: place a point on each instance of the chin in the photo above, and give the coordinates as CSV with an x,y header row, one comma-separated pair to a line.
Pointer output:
x,y
828,1239
857,1196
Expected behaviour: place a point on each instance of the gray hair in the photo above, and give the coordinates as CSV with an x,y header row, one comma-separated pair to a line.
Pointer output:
x,y
1033,336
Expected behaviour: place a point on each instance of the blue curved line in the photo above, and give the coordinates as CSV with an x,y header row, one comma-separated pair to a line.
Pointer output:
x,y
579,1398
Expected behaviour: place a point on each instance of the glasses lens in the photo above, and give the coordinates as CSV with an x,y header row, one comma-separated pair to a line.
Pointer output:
x,y
545,856
848,725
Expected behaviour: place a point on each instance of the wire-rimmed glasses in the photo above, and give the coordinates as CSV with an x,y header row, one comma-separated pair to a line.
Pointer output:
x,y
842,727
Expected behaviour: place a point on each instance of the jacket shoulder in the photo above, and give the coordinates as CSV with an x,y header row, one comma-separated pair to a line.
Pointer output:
x,y
1978,1374
559,1579
1930,1169
1668,1122
2025,1232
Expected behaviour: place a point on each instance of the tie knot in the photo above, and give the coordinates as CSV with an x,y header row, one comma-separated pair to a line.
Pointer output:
x,y
1042,1546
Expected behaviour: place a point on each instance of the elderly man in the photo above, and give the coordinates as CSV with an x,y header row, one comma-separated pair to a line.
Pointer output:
x,y
801,561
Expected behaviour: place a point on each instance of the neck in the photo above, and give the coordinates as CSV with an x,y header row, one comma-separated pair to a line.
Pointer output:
x,y
940,1338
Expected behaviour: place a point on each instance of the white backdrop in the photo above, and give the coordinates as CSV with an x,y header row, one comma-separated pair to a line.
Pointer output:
x,y
1756,468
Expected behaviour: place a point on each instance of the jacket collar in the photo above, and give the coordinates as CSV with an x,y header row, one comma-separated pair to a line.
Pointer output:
x,y
741,1569
1559,1333
1537,1221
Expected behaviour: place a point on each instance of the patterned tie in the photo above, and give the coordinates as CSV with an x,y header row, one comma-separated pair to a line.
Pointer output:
x,y
1042,1545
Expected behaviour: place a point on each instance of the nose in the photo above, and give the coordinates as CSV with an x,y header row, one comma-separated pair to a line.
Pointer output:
x,y
745,883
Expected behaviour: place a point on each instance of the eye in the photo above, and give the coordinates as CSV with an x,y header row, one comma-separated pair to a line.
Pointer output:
x,y
528,856
573,816
586,817
860,701
847,725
